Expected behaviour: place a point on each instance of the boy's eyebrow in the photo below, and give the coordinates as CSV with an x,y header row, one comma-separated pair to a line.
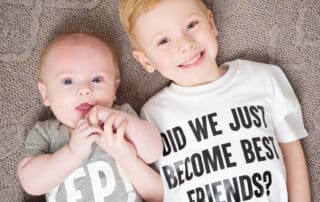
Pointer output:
x,y
158,34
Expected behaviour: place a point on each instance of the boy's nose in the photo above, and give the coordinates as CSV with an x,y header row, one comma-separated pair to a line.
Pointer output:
x,y
186,43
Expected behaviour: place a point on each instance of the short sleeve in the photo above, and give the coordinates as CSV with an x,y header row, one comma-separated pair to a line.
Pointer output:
x,y
36,142
286,110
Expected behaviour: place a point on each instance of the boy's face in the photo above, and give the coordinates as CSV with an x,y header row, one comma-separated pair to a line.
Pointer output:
x,y
77,77
178,38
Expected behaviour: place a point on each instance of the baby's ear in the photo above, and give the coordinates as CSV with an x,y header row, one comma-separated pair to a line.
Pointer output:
x,y
143,60
43,91
116,83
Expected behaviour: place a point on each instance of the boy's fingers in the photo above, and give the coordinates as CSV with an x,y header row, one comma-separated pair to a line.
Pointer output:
x,y
103,114
108,126
121,129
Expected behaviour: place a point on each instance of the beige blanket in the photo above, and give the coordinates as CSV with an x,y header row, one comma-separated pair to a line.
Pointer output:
x,y
282,32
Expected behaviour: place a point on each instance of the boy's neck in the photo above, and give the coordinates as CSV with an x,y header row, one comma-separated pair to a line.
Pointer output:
x,y
216,74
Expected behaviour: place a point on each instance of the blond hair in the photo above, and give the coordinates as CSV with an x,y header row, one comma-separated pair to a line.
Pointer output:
x,y
76,38
130,11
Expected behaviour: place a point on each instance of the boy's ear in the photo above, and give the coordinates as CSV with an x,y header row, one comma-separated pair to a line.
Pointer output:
x,y
143,60
43,91
211,22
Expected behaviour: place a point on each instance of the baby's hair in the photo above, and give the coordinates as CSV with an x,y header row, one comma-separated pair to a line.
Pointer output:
x,y
130,11
76,36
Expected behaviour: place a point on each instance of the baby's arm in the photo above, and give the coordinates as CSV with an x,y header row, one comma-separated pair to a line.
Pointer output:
x,y
146,180
297,174
142,134
39,174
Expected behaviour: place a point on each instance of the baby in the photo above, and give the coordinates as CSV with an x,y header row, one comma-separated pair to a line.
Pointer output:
x,y
89,150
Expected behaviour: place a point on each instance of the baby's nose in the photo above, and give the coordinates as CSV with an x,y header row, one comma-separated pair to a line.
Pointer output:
x,y
85,90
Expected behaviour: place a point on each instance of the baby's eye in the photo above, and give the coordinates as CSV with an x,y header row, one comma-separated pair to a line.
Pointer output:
x,y
191,25
97,79
67,81
163,41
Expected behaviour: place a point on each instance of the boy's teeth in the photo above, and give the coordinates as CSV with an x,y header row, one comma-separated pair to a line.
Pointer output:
x,y
192,61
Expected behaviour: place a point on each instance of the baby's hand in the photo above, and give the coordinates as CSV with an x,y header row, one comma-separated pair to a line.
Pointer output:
x,y
82,138
113,140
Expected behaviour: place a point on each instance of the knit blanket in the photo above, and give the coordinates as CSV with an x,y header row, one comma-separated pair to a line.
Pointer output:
x,y
285,33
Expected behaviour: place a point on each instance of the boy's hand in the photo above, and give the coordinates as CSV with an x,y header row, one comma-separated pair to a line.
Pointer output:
x,y
113,140
97,116
82,138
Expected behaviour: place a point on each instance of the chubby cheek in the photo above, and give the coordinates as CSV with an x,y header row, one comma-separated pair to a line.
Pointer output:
x,y
105,98
70,119
62,107
164,61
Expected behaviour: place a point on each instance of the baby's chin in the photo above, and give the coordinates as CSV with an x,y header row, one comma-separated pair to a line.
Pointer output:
x,y
71,124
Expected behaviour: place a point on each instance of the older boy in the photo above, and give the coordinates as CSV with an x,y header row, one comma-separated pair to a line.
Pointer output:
x,y
79,77
221,127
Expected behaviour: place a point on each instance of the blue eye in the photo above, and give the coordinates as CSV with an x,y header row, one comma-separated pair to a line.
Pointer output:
x,y
192,25
97,79
163,41
67,81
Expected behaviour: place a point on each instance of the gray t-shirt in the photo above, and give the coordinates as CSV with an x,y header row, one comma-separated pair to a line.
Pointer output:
x,y
98,178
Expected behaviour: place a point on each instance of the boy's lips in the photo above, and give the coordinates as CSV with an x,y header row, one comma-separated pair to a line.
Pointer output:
x,y
84,108
192,62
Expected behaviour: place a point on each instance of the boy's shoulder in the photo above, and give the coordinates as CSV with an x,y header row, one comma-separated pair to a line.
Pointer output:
x,y
258,69
252,65
155,99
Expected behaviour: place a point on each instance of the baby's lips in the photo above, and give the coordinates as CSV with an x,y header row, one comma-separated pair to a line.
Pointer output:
x,y
84,108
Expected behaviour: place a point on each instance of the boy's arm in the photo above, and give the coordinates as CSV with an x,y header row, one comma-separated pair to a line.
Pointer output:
x,y
145,180
142,134
39,174
297,173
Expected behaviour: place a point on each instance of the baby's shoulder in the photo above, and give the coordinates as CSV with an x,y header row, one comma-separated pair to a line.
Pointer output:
x,y
47,125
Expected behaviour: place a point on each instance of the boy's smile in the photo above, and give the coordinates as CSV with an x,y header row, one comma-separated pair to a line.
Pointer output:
x,y
194,61
178,38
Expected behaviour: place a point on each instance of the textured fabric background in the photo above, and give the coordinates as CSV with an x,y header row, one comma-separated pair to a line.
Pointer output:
x,y
282,32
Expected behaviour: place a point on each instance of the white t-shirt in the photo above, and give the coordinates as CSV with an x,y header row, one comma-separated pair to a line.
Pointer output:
x,y
221,139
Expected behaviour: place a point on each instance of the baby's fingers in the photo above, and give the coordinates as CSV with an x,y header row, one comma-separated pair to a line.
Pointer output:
x,y
91,131
93,117
81,125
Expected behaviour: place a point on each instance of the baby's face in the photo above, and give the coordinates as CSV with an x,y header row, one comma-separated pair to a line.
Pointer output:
x,y
77,77
178,38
